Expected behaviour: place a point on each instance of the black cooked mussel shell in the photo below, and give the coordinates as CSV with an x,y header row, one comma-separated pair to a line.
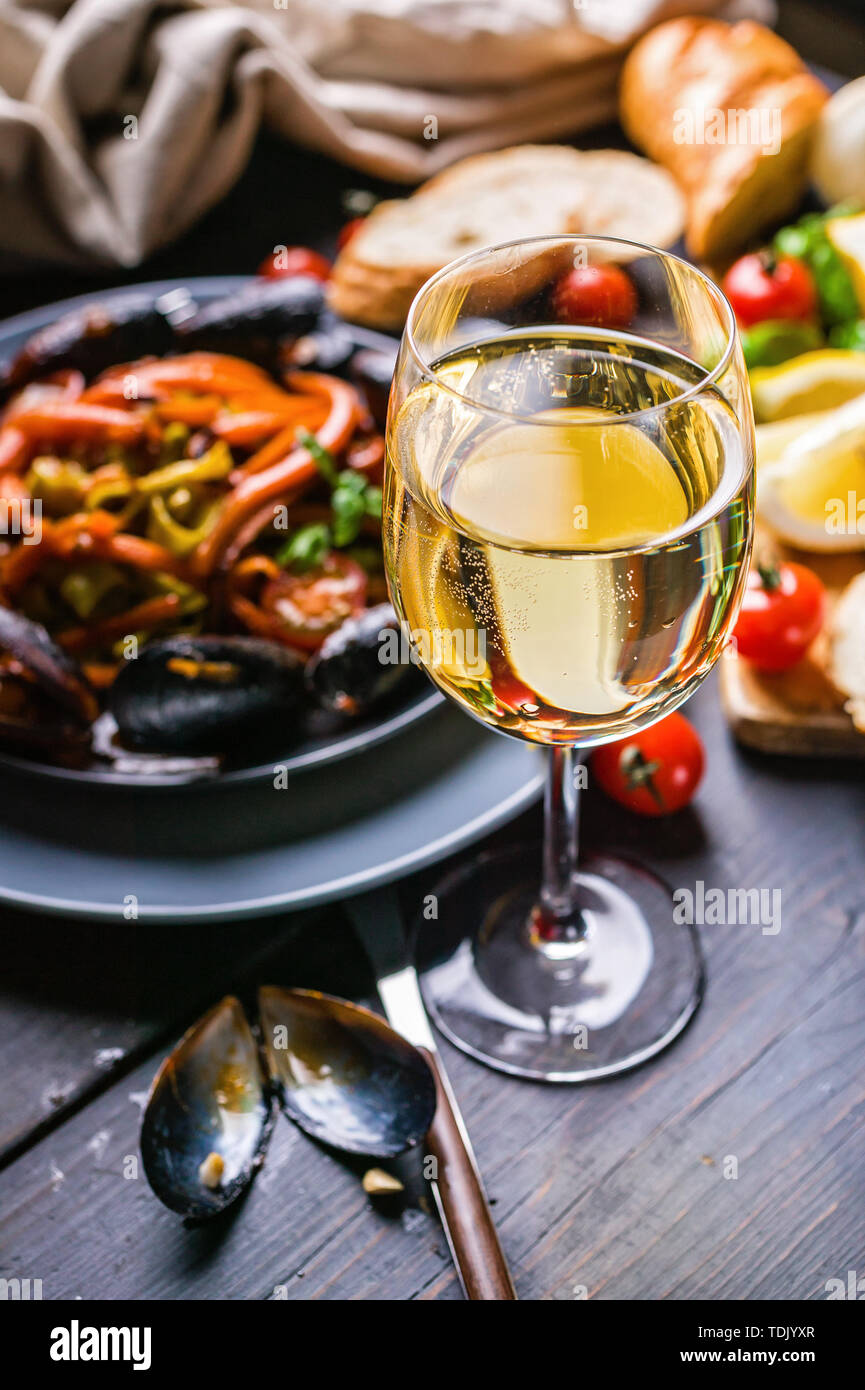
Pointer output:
x,y
95,337
56,674
207,694
372,370
209,1116
330,347
46,704
362,664
343,1075
255,320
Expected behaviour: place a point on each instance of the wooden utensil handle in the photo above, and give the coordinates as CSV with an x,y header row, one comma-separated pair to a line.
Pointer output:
x,y
469,1224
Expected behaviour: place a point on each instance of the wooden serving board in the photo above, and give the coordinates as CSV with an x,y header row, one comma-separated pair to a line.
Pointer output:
x,y
797,712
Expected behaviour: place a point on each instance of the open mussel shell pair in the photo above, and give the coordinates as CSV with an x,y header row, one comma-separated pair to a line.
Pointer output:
x,y
338,1070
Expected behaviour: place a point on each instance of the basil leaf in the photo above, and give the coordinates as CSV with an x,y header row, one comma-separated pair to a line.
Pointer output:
x,y
348,513
849,335
372,501
351,480
320,456
306,548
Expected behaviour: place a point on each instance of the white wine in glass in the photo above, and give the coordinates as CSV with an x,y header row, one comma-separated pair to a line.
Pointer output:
x,y
568,514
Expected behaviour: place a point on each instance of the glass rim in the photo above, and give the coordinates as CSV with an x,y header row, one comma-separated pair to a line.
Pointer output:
x,y
573,238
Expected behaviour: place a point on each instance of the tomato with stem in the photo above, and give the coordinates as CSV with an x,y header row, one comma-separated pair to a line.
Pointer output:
x,y
782,612
655,771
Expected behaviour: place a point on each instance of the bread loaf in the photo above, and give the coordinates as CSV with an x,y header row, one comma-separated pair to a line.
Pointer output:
x,y
731,111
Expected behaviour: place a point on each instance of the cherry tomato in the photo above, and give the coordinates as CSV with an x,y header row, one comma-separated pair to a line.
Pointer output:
x,y
763,286
595,294
310,605
782,612
295,260
348,231
655,771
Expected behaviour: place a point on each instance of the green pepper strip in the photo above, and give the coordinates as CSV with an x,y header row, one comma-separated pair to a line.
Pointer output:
x,y
212,467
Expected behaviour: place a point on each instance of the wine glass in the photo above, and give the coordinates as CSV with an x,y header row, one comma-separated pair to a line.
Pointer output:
x,y
567,527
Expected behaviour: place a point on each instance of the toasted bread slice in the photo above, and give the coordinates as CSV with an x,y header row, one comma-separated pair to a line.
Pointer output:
x,y
529,190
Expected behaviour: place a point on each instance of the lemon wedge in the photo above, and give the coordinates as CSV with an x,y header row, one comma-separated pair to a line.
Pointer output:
x,y
814,493
815,381
847,235
773,439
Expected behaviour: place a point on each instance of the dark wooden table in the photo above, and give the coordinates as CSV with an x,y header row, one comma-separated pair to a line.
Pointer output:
x,y
730,1168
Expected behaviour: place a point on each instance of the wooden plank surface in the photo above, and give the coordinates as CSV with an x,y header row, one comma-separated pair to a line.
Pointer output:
x,y
799,711
80,1001
622,1189
619,1188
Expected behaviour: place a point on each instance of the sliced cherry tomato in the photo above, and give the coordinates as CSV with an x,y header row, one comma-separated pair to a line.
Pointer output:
x,y
764,286
348,231
655,771
782,612
295,260
310,605
595,294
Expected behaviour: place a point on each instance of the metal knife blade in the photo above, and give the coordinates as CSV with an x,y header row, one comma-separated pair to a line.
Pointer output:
x,y
459,1190
377,922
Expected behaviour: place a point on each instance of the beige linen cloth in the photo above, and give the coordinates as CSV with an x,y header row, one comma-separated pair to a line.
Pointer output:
x,y
122,121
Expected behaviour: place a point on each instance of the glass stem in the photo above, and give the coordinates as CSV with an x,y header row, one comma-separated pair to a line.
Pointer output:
x,y
560,918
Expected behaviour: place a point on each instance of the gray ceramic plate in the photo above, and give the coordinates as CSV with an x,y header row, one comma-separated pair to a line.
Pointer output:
x,y
224,853
322,741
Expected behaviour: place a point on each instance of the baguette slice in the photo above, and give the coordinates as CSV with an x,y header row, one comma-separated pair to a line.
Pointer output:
x,y
528,190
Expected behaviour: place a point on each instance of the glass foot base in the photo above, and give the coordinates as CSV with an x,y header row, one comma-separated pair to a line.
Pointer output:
x,y
559,1011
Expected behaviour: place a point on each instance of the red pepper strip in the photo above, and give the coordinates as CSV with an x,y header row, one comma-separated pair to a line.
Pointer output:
x,y
114,393
208,372
63,420
366,456
96,523
319,384
252,527
13,488
126,549
70,380
253,618
280,447
21,564
245,429
194,411
150,613
101,674
333,434
47,390
286,478
14,449
94,536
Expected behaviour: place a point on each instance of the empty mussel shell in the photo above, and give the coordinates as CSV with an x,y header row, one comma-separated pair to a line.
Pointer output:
x,y
344,1076
209,1116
